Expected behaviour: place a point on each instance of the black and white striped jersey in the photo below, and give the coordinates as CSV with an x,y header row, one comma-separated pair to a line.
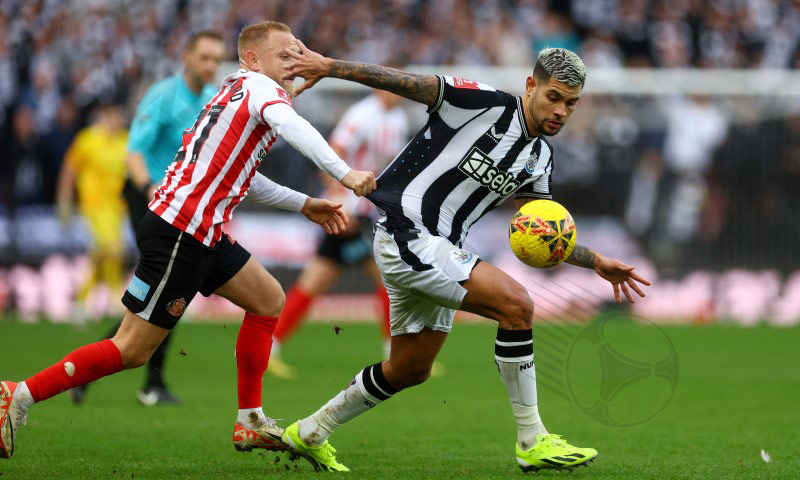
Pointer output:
x,y
472,154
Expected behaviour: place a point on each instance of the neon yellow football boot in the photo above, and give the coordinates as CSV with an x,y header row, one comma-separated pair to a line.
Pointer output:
x,y
321,458
552,452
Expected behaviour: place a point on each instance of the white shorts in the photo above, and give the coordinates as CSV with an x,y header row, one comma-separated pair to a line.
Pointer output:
x,y
423,278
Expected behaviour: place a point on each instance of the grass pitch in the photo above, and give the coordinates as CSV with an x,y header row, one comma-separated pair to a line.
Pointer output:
x,y
736,392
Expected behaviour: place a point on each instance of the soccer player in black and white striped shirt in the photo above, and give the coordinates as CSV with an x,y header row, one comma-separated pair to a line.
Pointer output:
x,y
479,147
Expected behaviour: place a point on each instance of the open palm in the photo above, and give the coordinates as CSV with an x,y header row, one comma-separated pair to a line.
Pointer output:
x,y
622,278
326,213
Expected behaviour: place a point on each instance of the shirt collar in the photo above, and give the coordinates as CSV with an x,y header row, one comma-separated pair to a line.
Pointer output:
x,y
522,123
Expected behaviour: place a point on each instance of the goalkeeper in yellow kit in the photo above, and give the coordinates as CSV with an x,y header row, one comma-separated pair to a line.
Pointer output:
x,y
94,168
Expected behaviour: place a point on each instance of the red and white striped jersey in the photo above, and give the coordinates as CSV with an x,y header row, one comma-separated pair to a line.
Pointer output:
x,y
371,136
220,153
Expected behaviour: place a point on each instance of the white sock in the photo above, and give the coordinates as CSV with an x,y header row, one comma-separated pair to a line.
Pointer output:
x,y
251,417
368,388
24,397
513,353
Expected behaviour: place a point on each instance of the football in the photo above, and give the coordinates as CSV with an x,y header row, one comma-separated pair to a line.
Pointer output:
x,y
542,234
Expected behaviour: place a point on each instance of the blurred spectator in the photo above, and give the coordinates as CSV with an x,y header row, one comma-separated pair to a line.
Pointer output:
x,y
688,165
24,173
100,48
57,140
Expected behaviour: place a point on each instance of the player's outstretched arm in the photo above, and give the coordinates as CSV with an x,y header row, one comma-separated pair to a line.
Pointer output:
x,y
620,275
323,212
313,67
305,139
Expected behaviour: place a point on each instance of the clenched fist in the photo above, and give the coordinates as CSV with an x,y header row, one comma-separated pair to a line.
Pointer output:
x,y
360,182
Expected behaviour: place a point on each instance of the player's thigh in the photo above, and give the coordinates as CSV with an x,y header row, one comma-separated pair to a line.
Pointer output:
x,y
319,275
137,339
494,294
412,356
254,289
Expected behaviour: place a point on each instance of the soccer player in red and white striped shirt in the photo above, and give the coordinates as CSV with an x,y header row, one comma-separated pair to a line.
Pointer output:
x,y
184,249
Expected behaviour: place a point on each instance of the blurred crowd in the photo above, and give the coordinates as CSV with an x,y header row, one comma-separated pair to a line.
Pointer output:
x,y
59,59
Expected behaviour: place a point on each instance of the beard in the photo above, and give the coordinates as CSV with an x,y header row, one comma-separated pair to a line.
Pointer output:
x,y
542,127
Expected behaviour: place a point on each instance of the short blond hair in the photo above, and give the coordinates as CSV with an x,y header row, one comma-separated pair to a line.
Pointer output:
x,y
258,31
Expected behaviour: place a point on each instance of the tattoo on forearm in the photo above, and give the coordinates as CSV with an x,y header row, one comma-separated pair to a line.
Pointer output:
x,y
582,257
420,88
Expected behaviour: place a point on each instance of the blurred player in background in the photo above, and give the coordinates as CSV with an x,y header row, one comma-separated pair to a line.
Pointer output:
x,y
167,109
94,166
479,147
368,136
183,249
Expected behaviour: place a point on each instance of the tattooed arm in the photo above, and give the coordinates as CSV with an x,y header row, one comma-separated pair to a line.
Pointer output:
x,y
313,67
582,257
621,276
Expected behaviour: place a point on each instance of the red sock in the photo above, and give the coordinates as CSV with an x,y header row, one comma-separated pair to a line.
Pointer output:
x,y
252,355
295,308
383,301
80,367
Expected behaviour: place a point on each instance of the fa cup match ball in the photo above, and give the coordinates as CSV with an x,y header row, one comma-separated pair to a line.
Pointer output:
x,y
542,234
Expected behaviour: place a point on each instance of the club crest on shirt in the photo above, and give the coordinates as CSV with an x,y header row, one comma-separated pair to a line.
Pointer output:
x,y
462,256
176,307
531,163
284,95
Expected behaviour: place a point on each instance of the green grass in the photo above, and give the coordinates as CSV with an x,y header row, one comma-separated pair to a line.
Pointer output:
x,y
738,391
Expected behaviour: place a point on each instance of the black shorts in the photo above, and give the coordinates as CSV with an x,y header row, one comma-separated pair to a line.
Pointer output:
x,y
350,249
173,267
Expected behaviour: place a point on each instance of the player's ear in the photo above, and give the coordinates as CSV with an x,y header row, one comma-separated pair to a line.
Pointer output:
x,y
530,83
251,59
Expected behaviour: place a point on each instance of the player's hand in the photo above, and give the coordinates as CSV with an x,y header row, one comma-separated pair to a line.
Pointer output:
x,y
308,65
621,277
360,182
326,213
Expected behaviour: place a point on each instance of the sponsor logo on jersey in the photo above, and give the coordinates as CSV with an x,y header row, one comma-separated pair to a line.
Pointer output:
x,y
459,82
478,166
531,163
176,307
138,288
494,134
284,95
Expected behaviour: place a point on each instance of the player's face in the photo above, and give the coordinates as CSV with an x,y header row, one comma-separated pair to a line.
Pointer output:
x,y
203,60
551,103
272,57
